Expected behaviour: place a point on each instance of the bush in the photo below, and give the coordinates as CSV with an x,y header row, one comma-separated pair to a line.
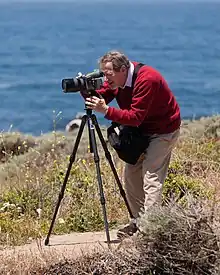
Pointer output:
x,y
80,210
172,241
179,184
179,241
14,144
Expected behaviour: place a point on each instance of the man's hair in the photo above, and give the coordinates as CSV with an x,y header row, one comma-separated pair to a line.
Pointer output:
x,y
117,58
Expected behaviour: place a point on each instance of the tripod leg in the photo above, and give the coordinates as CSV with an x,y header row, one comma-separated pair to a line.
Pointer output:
x,y
109,158
99,178
72,159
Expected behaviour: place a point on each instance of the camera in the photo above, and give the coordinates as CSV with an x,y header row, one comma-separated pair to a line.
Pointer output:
x,y
91,81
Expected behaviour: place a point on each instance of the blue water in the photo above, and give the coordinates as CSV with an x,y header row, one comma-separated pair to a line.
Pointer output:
x,y
41,43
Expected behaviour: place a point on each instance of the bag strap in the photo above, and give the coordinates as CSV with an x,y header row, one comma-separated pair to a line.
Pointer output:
x,y
136,69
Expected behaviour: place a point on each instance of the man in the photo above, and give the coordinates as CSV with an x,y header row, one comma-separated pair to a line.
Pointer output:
x,y
150,105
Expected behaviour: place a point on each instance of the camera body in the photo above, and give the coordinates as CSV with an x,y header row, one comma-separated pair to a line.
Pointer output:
x,y
90,82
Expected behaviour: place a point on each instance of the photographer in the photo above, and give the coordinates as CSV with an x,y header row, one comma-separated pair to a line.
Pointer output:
x,y
150,105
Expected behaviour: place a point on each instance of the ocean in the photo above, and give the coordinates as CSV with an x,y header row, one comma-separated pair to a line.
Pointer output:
x,y
42,43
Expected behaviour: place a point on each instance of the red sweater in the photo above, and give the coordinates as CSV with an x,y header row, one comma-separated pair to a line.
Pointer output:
x,y
150,104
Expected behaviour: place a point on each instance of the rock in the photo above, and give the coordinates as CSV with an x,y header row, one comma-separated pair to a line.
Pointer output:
x,y
75,123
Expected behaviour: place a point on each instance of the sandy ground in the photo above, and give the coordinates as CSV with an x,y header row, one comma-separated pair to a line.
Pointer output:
x,y
73,245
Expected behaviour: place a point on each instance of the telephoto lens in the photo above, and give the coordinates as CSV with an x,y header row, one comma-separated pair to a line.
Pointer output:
x,y
73,85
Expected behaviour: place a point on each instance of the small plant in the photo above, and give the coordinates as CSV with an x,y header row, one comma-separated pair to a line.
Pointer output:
x,y
179,184
12,144
181,240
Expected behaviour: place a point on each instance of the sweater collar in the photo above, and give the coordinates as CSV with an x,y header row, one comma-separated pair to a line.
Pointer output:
x,y
128,82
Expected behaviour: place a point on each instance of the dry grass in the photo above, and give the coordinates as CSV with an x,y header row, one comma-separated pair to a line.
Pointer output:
x,y
33,170
30,184
173,240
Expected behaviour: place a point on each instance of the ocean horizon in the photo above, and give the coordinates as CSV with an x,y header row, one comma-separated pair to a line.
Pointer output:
x,y
42,43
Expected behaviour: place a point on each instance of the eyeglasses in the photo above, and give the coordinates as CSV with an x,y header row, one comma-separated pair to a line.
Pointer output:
x,y
108,72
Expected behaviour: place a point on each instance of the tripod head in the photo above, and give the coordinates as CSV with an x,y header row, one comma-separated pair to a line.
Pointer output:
x,y
90,93
88,111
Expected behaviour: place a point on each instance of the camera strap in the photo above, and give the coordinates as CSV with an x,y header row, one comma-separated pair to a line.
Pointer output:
x,y
135,73
128,141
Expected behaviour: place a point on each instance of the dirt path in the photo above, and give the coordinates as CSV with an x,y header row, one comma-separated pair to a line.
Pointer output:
x,y
73,245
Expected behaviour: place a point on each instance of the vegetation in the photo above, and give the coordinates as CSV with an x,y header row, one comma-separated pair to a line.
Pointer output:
x,y
173,241
32,171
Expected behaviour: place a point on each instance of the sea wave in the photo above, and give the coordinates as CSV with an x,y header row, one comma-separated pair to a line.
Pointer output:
x,y
29,84
4,86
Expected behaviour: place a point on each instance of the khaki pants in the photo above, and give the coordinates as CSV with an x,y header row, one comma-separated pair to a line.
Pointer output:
x,y
144,180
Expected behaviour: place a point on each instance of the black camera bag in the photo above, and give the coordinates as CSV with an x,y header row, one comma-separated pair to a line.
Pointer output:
x,y
128,141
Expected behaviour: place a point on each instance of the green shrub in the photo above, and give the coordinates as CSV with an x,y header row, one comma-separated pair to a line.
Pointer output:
x,y
17,231
14,144
178,185
80,209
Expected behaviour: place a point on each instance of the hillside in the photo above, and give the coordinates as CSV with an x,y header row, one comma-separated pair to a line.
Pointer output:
x,y
32,171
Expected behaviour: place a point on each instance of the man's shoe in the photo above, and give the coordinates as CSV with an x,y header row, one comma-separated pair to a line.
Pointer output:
x,y
127,231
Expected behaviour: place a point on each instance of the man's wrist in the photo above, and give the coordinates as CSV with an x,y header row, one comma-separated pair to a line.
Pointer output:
x,y
106,109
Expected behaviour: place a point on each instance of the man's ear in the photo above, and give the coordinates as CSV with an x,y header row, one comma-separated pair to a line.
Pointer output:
x,y
123,68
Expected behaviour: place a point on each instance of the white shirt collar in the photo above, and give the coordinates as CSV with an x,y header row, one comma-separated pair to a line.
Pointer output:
x,y
130,75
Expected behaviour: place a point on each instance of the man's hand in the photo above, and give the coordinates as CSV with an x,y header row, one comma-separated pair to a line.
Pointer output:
x,y
97,104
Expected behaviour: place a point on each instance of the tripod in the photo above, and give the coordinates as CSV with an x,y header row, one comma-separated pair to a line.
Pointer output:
x,y
92,123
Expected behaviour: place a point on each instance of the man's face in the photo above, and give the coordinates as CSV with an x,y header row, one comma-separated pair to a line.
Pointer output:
x,y
114,78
